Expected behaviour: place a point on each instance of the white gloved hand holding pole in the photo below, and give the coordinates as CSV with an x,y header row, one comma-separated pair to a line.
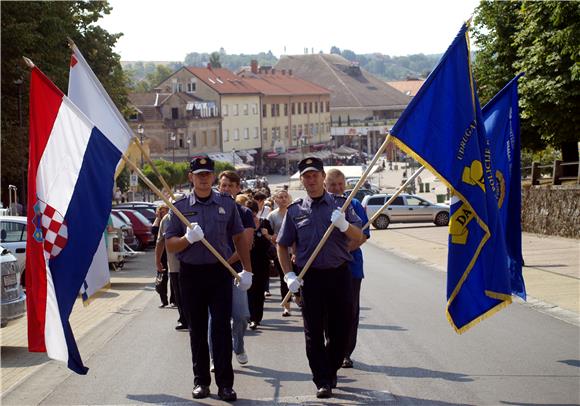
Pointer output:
x,y
338,219
293,282
194,233
245,281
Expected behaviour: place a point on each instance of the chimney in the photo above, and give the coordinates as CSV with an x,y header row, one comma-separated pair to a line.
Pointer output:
x,y
254,66
289,72
283,72
273,71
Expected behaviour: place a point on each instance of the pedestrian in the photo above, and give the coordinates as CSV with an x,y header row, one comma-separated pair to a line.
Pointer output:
x,y
326,288
229,183
263,209
160,257
260,265
335,183
173,269
276,216
206,284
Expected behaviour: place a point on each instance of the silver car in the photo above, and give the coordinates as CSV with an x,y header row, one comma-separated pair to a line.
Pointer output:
x,y
405,209
13,300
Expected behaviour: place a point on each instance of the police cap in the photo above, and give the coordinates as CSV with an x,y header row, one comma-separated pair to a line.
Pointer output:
x,y
310,164
201,164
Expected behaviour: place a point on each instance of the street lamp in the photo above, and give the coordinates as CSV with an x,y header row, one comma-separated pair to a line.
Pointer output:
x,y
173,138
141,131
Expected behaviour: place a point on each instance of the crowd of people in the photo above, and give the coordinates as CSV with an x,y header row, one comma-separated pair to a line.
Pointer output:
x,y
261,234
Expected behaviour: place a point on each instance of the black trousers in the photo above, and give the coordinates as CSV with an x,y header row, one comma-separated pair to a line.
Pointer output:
x,y
256,292
326,306
176,294
283,286
161,288
206,287
355,309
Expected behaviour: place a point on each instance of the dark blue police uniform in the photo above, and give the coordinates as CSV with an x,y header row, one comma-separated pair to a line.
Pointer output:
x,y
207,284
326,291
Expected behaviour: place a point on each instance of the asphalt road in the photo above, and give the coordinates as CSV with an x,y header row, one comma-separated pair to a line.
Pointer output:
x,y
407,354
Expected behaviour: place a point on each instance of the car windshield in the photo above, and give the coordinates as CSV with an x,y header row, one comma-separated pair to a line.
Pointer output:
x,y
117,222
142,218
123,216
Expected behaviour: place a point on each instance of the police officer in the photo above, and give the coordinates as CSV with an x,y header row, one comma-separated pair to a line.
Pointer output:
x,y
326,286
205,283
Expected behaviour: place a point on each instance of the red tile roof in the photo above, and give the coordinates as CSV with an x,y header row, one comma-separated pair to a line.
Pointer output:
x,y
279,84
408,87
222,80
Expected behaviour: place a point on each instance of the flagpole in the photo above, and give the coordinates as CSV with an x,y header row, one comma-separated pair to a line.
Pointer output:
x,y
393,197
326,235
73,46
180,215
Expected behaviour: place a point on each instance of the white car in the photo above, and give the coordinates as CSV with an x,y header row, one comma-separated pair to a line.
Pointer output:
x,y
13,237
405,209
13,298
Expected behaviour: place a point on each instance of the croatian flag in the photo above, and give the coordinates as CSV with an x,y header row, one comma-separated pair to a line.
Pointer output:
x,y
70,184
87,93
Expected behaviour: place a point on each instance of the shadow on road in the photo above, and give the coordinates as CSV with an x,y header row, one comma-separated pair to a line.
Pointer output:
x,y
19,357
413,372
381,327
571,362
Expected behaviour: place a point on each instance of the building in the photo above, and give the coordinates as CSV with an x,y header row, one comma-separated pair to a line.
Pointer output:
x,y
409,87
362,107
295,114
175,124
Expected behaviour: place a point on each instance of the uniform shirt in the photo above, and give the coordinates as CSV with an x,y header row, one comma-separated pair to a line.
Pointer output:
x,y
247,222
356,265
219,219
306,222
172,261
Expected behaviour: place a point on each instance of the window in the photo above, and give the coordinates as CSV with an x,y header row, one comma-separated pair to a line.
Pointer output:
x,y
204,138
255,108
226,135
305,108
180,141
310,107
191,86
398,201
245,109
299,108
225,110
285,109
174,113
293,108
256,133
312,129
376,201
413,201
265,134
299,130
294,132
214,140
235,109
273,110
327,106
246,133
236,135
14,231
264,110
285,132
194,139
316,107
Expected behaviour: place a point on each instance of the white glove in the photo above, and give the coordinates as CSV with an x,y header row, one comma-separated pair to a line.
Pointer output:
x,y
194,233
338,219
245,280
293,282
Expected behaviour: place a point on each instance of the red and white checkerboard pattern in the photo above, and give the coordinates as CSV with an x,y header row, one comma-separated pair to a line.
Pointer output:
x,y
54,230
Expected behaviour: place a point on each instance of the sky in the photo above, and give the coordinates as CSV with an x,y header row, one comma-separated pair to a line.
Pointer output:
x,y
168,30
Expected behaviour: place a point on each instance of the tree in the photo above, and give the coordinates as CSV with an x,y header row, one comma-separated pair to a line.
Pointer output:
x,y
540,39
39,30
335,50
214,60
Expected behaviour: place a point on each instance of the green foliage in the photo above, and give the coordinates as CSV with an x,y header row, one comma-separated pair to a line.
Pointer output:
x,y
220,166
123,180
153,78
540,39
39,31
173,173
214,60
232,62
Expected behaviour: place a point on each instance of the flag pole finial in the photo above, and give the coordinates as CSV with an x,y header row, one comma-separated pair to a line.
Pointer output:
x,y
71,43
28,62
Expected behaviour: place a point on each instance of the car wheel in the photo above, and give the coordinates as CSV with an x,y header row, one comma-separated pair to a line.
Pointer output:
x,y
381,222
442,219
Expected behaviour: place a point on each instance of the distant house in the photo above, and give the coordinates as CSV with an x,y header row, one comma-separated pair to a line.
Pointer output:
x,y
409,87
362,106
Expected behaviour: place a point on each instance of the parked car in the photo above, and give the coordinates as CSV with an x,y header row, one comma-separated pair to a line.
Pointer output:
x,y
362,192
405,209
141,226
145,208
127,229
13,237
13,298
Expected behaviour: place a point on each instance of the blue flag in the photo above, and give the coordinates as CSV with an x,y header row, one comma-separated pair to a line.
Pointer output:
x,y
502,125
443,129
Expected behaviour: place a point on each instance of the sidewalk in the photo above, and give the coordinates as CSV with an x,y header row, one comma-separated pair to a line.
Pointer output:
x,y
126,285
551,272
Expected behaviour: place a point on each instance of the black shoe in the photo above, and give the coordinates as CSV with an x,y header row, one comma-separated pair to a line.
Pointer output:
x,y
200,392
253,325
227,394
181,327
324,392
347,363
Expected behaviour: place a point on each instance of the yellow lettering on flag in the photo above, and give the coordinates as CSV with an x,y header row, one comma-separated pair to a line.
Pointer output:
x,y
458,225
473,175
